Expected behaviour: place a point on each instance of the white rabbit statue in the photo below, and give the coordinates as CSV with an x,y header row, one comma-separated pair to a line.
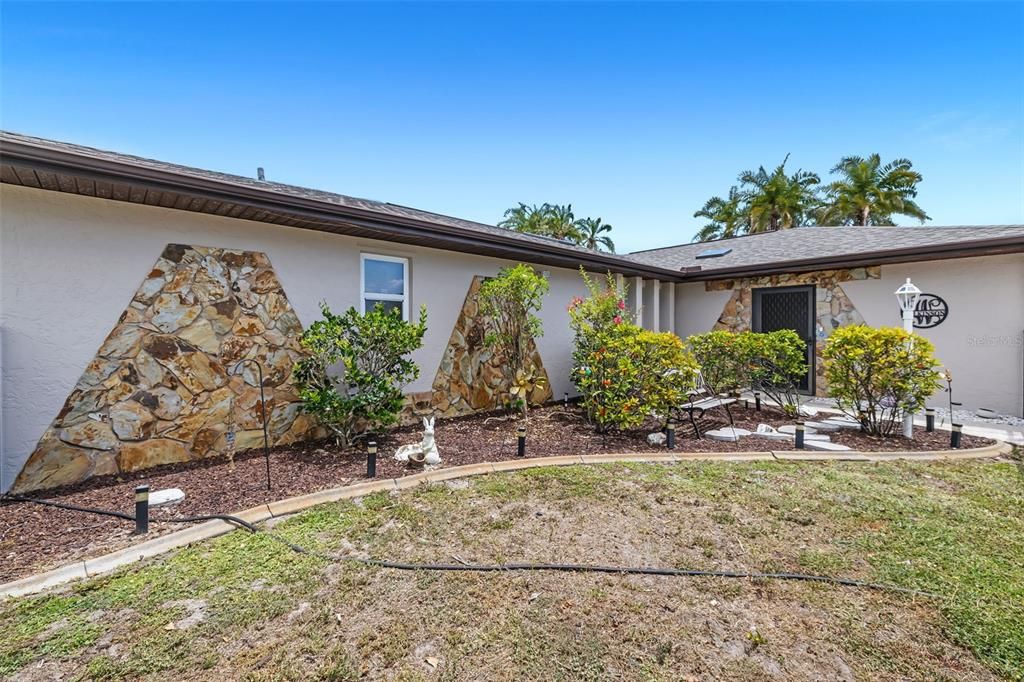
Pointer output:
x,y
424,452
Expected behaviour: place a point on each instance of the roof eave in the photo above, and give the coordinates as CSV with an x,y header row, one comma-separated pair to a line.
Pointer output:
x,y
391,227
968,249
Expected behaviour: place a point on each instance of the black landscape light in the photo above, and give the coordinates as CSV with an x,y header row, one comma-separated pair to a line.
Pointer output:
x,y
929,419
670,436
799,435
521,437
141,509
955,435
371,459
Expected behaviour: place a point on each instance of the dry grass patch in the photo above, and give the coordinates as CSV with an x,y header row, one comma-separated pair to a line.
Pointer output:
x,y
245,607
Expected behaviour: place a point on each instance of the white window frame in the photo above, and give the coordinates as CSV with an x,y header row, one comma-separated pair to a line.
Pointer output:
x,y
364,294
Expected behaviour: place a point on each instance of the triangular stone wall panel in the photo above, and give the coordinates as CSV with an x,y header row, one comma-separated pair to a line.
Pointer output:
x,y
469,378
163,388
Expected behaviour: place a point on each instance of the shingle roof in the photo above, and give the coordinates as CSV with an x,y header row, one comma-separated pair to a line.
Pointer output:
x,y
809,247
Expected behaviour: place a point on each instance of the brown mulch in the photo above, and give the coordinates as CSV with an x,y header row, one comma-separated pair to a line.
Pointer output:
x,y
34,538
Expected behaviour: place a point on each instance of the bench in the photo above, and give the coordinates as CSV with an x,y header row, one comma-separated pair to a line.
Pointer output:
x,y
700,401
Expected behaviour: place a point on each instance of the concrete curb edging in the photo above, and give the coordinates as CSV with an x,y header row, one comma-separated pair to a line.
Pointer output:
x,y
107,563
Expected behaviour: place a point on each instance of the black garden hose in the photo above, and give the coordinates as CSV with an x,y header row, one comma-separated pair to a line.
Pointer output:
x,y
494,568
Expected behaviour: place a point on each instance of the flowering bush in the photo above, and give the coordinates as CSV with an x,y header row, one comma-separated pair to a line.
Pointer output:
x,y
631,374
624,373
877,374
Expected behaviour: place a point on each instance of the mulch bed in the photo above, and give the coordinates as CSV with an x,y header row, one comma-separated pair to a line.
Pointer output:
x,y
34,538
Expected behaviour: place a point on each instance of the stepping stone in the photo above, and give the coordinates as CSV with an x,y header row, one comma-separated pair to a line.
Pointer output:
x,y
166,496
727,434
772,435
825,446
842,423
822,426
791,429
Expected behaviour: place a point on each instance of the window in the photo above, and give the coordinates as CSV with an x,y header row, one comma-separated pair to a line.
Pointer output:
x,y
385,280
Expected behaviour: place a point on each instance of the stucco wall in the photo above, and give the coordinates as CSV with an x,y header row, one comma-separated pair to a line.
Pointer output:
x,y
981,339
697,310
71,264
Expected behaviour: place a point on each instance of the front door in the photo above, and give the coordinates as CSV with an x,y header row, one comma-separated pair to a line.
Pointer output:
x,y
788,308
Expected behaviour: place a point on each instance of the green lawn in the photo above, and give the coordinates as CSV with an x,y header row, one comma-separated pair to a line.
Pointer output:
x,y
245,607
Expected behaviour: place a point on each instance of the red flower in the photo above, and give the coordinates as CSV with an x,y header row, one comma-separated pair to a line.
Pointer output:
x,y
622,304
617,320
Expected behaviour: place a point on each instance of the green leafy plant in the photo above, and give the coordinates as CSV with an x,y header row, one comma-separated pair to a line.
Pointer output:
x,y
509,303
624,374
372,349
720,355
774,364
770,362
877,374
628,375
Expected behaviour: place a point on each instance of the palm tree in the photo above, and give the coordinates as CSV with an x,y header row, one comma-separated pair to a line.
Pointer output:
x,y
592,235
549,220
561,223
869,193
729,217
779,201
523,218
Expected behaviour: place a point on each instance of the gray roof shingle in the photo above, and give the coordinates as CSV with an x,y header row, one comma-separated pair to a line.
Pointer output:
x,y
804,245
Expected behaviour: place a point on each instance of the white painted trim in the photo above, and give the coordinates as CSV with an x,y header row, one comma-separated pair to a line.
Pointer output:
x,y
672,307
656,305
363,294
638,300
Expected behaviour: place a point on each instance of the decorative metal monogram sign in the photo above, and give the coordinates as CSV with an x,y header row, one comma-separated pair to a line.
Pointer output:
x,y
931,311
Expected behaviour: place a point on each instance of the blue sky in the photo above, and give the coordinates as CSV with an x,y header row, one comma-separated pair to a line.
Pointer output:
x,y
636,113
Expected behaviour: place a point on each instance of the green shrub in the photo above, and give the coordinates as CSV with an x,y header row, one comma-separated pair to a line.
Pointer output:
x,y
720,356
775,363
509,303
631,374
877,374
372,349
770,362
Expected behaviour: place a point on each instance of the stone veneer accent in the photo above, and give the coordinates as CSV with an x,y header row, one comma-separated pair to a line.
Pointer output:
x,y
162,387
833,307
469,378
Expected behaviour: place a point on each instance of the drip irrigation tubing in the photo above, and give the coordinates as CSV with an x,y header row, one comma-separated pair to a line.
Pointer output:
x,y
492,568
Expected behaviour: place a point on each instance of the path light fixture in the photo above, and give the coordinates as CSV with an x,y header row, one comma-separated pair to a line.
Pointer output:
x,y
371,459
142,509
798,436
929,418
263,410
907,295
670,436
521,441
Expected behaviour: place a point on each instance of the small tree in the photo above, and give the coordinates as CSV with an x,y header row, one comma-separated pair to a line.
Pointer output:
x,y
589,319
372,349
876,375
509,303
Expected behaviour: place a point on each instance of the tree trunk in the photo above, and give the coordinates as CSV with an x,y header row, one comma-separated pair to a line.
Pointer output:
x,y
864,213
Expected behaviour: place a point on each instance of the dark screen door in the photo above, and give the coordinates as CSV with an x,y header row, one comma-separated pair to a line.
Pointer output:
x,y
788,308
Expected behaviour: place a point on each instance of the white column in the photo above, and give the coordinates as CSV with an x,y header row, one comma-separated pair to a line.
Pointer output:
x,y
656,305
638,299
619,284
672,307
